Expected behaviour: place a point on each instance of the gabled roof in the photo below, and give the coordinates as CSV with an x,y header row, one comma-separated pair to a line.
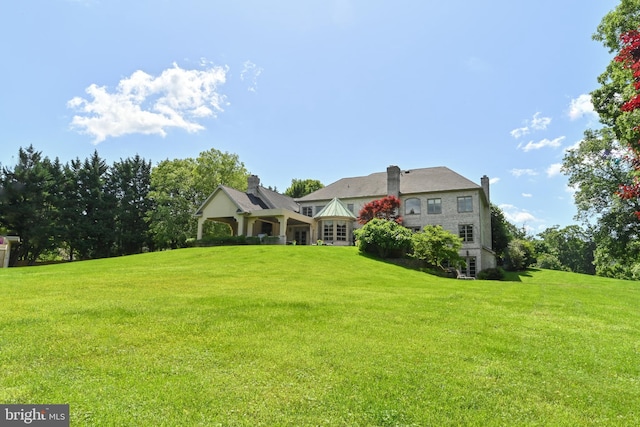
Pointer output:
x,y
266,199
276,200
336,209
425,180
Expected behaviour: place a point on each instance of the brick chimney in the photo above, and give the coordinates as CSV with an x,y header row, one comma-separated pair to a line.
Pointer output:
x,y
252,184
484,181
393,181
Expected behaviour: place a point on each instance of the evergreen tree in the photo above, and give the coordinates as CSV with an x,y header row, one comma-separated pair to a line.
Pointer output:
x,y
28,204
129,182
97,203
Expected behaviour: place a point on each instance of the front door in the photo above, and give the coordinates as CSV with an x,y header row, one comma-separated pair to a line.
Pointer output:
x,y
300,236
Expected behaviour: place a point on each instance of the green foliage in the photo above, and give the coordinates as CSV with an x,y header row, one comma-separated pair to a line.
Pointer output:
x,y
502,232
569,248
97,204
625,17
302,187
174,198
384,238
550,262
520,254
213,168
130,182
600,165
29,204
491,274
595,170
616,82
86,209
226,241
178,188
436,245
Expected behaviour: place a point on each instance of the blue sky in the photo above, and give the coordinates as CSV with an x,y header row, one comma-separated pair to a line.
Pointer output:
x,y
319,89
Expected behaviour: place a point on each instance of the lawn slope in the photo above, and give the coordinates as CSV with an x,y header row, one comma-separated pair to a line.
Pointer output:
x,y
255,335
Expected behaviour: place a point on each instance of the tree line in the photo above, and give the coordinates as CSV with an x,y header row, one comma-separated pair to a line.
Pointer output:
x,y
88,209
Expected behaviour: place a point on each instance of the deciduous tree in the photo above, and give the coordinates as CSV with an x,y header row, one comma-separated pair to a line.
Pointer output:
x,y
302,187
436,245
386,208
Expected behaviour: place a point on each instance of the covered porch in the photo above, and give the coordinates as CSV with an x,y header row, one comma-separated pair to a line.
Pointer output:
x,y
285,225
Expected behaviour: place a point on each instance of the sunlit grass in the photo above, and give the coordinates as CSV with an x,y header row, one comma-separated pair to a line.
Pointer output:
x,y
316,336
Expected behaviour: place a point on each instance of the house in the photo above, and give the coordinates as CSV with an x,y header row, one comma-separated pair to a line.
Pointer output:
x,y
429,196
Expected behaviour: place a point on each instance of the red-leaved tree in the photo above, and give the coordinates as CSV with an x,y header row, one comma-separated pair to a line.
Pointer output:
x,y
629,57
385,208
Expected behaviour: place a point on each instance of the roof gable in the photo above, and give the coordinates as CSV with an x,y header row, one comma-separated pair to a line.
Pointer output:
x,y
246,202
336,209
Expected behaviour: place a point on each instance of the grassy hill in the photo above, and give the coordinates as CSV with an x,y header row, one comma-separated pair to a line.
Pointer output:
x,y
300,336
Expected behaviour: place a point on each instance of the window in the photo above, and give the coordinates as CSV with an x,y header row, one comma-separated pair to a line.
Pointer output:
x,y
307,211
350,207
341,231
319,208
327,231
466,232
465,204
412,206
434,206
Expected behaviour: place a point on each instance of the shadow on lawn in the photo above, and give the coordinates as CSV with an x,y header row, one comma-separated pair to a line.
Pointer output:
x,y
417,265
516,276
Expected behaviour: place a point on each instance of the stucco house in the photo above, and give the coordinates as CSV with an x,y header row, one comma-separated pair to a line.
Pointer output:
x,y
429,196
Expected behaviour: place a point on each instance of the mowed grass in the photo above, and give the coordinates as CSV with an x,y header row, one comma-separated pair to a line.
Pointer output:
x,y
315,336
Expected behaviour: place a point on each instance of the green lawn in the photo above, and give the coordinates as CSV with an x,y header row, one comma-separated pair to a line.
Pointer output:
x,y
312,335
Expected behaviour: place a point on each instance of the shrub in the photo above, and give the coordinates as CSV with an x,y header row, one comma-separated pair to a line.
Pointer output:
x,y
436,245
253,240
490,274
519,255
384,238
550,262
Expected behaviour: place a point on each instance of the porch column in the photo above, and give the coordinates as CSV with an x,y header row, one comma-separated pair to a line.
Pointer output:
x,y
240,222
250,223
283,229
201,221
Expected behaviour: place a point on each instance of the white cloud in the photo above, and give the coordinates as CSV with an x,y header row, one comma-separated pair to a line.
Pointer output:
x,y
541,144
540,123
554,169
521,172
518,216
581,106
537,122
250,72
150,105
494,180
517,133
527,195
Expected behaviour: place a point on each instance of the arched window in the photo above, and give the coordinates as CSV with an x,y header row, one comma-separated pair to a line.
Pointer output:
x,y
412,206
